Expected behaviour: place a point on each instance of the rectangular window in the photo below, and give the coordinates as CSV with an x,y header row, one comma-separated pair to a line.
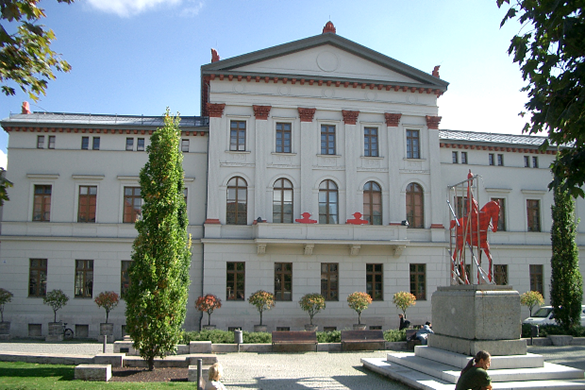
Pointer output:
x,y
328,139
283,281
140,145
374,281
501,274
330,281
125,277
500,160
526,161
42,203
85,143
40,141
533,214
130,144
235,281
83,278
461,206
87,204
455,157
418,282
491,160
534,162
502,215
52,139
96,143
537,278
463,157
371,141
283,138
132,204
412,144
37,278
184,145
238,135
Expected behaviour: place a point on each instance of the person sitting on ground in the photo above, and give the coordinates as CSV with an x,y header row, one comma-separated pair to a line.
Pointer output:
x,y
215,374
423,333
474,376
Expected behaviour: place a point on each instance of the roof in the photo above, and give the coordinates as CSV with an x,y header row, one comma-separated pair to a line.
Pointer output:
x,y
490,138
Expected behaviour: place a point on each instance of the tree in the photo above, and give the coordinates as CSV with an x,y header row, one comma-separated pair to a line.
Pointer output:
x,y
551,53
566,282
26,57
312,303
4,184
56,299
263,300
359,301
156,301
531,299
403,300
108,300
208,304
5,297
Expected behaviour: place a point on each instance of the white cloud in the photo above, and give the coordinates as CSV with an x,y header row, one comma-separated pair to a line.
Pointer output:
x,y
192,10
3,159
127,8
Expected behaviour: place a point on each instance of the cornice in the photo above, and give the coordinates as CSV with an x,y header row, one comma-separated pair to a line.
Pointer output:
x,y
495,148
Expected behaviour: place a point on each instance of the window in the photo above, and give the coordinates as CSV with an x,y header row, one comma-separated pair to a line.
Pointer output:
x,y
374,281
502,215
328,213
501,274
130,144
371,141
526,161
37,278
283,281
184,145
412,144
237,202
536,278
87,204
455,157
328,139
415,206
463,157
372,203
491,160
140,146
83,278
238,135
85,143
235,277
52,140
42,203
461,206
283,138
329,281
40,141
96,143
534,162
500,160
418,284
132,204
282,202
533,213
125,277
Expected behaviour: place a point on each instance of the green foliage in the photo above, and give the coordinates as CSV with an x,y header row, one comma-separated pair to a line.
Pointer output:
x,y
56,299
359,301
5,297
257,337
4,184
156,301
26,57
550,51
216,336
531,299
403,300
566,282
208,304
263,300
333,336
312,303
108,300
394,335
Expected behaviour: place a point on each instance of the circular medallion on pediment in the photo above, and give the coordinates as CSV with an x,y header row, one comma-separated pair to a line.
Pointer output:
x,y
327,61
411,98
239,87
283,90
371,95
328,92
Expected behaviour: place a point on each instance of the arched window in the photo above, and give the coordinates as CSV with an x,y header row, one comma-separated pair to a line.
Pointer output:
x,y
415,210
328,201
237,202
282,202
372,203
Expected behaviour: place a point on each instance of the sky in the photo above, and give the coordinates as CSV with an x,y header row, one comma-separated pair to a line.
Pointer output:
x,y
137,57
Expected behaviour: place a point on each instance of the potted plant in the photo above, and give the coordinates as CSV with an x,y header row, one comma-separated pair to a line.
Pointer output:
x,y
208,304
263,300
5,297
312,303
403,300
531,299
56,299
359,301
108,300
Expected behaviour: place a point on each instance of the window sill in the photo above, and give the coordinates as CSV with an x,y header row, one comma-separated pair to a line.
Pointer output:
x,y
329,155
415,159
372,157
238,151
284,154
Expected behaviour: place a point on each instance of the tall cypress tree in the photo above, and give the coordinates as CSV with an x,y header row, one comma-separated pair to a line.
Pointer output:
x,y
566,290
156,301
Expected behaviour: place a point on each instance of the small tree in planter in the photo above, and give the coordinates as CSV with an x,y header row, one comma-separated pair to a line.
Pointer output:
x,y
312,303
531,299
359,301
208,304
108,300
403,300
263,300
56,299
5,297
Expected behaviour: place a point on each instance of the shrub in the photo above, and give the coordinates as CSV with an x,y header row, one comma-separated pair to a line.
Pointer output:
x,y
263,300
359,301
394,335
403,300
531,299
108,300
56,299
5,297
208,304
312,303
333,336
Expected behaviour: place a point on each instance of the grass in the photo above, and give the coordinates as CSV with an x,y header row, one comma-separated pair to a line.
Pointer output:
x,y
32,376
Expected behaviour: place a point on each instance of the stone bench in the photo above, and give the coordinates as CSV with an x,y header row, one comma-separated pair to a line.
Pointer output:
x,y
93,372
294,340
362,339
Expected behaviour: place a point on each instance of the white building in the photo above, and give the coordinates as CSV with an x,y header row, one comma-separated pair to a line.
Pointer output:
x,y
312,130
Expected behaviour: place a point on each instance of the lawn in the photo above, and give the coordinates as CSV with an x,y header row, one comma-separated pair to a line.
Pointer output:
x,y
32,376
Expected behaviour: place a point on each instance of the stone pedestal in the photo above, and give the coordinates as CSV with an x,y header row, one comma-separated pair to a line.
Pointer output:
x,y
106,329
4,330
469,318
55,332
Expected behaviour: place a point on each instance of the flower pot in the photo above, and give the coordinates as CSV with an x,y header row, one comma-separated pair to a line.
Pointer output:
x,y
260,328
560,340
55,332
209,327
4,330
106,329
359,326
311,328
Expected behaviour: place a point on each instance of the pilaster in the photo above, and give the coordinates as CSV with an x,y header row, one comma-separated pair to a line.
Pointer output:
x,y
307,154
351,154
261,150
395,153
217,134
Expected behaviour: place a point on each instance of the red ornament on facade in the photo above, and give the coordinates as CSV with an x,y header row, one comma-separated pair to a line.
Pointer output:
x,y
215,110
357,219
350,117
261,112
433,122
214,55
392,120
306,218
329,28
306,114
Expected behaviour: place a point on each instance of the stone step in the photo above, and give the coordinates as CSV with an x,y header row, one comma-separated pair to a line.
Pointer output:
x,y
458,360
